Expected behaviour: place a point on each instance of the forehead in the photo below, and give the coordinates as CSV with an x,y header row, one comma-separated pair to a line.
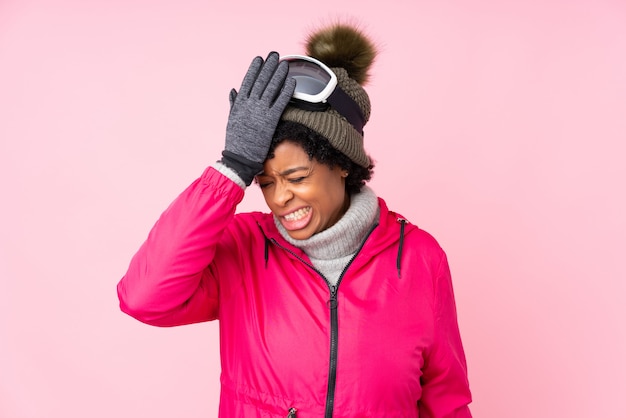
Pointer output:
x,y
288,149
288,155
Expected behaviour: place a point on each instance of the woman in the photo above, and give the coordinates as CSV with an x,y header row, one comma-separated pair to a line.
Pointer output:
x,y
331,305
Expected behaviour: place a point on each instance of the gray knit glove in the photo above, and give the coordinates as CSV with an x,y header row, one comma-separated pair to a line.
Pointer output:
x,y
254,114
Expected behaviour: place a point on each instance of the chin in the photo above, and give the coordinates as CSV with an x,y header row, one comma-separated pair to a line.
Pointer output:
x,y
300,234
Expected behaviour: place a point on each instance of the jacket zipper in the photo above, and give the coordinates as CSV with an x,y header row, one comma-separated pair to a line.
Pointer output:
x,y
334,321
334,340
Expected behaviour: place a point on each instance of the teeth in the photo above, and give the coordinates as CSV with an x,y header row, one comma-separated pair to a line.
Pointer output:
x,y
299,214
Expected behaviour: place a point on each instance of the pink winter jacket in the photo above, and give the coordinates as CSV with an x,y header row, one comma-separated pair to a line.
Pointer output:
x,y
383,343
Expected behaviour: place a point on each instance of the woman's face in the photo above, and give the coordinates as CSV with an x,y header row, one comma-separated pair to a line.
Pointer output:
x,y
307,197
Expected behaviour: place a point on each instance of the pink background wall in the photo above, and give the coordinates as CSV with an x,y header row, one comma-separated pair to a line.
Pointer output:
x,y
497,126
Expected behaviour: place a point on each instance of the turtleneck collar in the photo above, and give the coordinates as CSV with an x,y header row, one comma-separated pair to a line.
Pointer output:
x,y
346,235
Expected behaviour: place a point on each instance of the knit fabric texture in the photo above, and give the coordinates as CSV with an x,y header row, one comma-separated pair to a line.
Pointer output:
x,y
334,127
230,173
332,249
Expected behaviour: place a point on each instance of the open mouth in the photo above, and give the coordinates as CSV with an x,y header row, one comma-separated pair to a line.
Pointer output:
x,y
297,215
298,219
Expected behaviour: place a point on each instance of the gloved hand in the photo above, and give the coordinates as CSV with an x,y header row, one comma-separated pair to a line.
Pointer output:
x,y
254,114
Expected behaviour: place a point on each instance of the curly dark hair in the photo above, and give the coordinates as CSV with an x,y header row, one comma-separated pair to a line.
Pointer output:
x,y
319,148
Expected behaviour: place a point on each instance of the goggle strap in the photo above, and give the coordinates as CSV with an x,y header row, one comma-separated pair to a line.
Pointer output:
x,y
311,107
348,108
341,102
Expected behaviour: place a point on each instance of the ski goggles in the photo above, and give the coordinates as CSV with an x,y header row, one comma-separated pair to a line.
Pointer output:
x,y
317,90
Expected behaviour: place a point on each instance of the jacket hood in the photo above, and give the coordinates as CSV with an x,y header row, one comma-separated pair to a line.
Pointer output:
x,y
391,228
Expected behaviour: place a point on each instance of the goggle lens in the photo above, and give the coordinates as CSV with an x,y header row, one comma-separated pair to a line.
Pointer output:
x,y
316,89
310,78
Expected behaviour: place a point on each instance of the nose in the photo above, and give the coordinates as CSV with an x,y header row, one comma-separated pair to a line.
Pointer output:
x,y
282,193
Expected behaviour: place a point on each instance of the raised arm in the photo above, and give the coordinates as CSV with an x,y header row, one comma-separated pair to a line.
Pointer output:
x,y
169,280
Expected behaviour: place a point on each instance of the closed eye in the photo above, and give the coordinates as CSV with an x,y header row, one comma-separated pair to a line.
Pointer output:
x,y
297,180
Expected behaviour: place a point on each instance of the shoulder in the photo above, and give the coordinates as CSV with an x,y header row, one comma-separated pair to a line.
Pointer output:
x,y
396,223
253,222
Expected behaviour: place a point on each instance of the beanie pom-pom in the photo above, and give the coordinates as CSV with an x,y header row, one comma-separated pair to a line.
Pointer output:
x,y
343,46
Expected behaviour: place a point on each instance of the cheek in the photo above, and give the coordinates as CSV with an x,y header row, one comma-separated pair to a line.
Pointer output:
x,y
267,196
337,189
332,196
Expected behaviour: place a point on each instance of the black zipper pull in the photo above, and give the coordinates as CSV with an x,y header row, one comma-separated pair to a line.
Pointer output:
x,y
332,302
402,222
292,413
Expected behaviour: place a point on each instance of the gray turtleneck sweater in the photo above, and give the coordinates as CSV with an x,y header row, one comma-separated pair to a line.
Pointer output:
x,y
332,249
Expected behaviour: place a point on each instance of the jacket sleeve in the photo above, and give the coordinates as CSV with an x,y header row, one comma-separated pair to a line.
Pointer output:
x,y
168,281
445,386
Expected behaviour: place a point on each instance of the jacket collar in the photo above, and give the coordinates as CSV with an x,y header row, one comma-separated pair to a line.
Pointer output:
x,y
386,233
